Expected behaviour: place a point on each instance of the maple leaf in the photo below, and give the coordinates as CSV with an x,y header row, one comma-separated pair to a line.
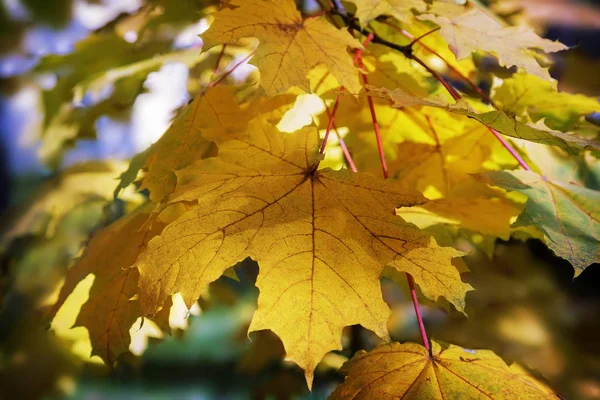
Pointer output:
x,y
497,120
321,239
110,312
289,45
567,214
394,371
474,30
368,10
556,164
527,94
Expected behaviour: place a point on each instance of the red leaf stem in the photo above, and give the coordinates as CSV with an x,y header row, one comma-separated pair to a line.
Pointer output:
x,y
357,58
413,294
411,284
456,96
229,71
345,150
331,121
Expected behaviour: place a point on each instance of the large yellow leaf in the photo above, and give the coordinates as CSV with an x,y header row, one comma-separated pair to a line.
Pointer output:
x,y
442,173
321,239
367,10
467,31
407,371
110,312
290,46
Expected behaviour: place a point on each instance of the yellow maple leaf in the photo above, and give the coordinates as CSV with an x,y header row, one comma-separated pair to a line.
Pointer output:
x,y
321,239
367,10
467,31
290,46
109,313
395,371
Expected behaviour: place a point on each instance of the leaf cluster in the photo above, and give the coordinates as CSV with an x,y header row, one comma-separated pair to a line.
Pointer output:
x,y
225,184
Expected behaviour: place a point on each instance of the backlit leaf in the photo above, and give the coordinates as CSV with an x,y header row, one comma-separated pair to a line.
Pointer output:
x,y
289,45
183,142
407,371
527,94
473,30
110,310
321,239
567,214
367,10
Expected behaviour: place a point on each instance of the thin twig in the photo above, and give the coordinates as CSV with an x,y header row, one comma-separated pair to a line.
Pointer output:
x,y
415,40
465,78
411,284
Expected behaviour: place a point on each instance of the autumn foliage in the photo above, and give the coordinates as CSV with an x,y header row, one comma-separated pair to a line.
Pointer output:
x,y
391,173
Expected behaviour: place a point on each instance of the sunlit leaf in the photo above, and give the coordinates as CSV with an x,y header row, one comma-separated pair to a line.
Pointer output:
x,y
321,238
568,215
473,30
289,49
407,370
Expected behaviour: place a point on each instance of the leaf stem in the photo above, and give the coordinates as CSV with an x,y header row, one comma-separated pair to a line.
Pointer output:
x,y
229,71
375,125
357,58
331,121
345,150
413,294
409,278
510,149
417,39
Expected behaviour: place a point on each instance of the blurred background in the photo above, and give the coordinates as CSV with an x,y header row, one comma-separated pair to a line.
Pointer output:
x,y
86,85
